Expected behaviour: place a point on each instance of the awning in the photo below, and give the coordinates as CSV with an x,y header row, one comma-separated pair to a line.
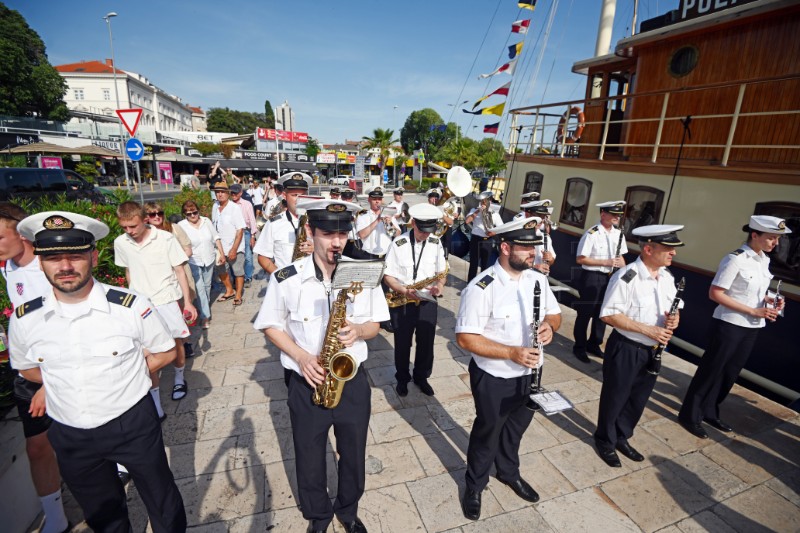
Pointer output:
x,y
253,165
49,148
174,157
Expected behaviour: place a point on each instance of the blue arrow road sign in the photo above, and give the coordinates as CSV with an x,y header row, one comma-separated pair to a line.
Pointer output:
x,y
135,149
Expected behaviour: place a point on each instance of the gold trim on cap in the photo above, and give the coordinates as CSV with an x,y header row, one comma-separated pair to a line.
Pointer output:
x,y
336,208
57,222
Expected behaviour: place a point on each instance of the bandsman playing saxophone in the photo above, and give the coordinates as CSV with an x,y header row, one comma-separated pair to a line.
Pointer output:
x,y
416,272
275,245
294,316
375,228
494,325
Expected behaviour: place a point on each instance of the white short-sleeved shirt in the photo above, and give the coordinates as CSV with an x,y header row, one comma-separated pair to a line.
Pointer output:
x,y
501,309
257,194
271,203
227,222
478,225
378,241
151,264
24,283
599,243
428,255
91,357
277,239
297,302
745,276
203,239
633,292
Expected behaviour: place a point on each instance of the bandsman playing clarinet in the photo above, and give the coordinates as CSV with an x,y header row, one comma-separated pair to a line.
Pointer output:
x,y
636,305
416,271
491,326
739,289
599,254
294,316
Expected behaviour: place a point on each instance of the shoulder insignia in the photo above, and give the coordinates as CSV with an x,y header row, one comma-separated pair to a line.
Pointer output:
x,y
276,217
433,240
125,299
285,273
593,230
737,252
485,281
401,242
628,276
29,306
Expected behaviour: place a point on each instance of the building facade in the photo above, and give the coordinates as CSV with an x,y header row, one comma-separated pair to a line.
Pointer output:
x,y
284,117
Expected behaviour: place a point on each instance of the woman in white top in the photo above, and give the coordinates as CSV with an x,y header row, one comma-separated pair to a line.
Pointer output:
x,y
206,249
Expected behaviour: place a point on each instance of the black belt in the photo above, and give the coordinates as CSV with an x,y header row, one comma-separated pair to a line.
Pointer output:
x,y
597,272
622,338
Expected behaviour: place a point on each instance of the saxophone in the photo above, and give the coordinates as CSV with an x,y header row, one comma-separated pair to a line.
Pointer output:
x,y
302,237
339,365
395,299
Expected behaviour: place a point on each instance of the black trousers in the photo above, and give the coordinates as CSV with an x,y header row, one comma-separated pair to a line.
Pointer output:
x,y
24,391
446,238
310,426
592,291
88,461
626,389
728,350
481,253
501,420
406,320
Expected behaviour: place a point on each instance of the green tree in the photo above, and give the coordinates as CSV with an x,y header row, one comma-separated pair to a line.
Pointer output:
x,y
312,148
206,148
418,132
491,156
383,141
28,83
227,120
463,152
269,115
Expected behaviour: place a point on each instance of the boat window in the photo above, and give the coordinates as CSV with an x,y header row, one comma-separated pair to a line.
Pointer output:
x,y
683,61
785,258
576,202
533,182
642,208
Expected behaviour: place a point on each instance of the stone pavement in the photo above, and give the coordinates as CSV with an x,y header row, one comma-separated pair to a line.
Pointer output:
x,y
230,447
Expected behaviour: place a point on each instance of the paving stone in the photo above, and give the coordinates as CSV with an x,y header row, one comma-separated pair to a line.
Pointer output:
x,y
677,438
182,428
703,522
245,419
385,399
211,398
536,438
441,452
579,463
527,519
378,358
230,357
261,371
575,391
210,498
382,375
759,509
568,426
265,391
542,476
401,424
787,485
453,414
447,389
391,463
747,459
265,447
585,510
389,510
195,458
706,476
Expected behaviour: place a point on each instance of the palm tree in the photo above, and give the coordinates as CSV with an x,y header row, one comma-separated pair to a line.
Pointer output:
x,y
382,139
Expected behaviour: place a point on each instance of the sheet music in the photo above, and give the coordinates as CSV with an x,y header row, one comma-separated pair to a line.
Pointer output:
x,y
367,271
551,402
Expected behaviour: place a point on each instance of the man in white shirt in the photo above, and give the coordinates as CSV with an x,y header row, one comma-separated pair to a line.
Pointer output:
x,y
257,196
250,230
93,345
493,323
401,215
372,227
481,246
229,223
25,281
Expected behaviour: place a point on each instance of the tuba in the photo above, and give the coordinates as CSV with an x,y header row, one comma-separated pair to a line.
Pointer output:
x,y
339,365
302,237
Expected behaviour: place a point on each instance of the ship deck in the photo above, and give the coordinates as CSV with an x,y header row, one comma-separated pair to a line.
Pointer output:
x,y
230,447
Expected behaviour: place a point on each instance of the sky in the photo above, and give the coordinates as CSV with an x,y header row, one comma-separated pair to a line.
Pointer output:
x,y
345,67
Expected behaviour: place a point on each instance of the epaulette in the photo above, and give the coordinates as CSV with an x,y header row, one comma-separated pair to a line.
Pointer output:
x,y
276,217
485,281
737,252
593,229
29,306
285,273
401,242
628,276
433,240
362,212
125,299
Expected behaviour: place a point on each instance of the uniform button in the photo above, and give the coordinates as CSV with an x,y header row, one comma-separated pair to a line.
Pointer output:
x,y
113,353
305,319
41,360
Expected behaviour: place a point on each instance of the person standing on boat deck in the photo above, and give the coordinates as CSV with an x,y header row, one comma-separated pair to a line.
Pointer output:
x,y
481,245
294,316
636,305
739,288
493,323
597,255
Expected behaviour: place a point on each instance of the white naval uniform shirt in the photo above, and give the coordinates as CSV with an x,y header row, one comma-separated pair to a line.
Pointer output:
x,y
633,292
399,207
745,276
428,255
597,243
298,303
271,203
501,309
24,283
277,239
93,364
378,241
478,227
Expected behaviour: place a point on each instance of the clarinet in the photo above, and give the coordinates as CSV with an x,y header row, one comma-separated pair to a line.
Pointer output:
x,y
654,364
536,383
777,300
619,249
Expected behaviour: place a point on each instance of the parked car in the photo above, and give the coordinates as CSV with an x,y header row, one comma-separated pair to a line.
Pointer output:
x,y
340,180
35,183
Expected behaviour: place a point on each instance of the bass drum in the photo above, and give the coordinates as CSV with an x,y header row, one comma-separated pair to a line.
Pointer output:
x,y
459,241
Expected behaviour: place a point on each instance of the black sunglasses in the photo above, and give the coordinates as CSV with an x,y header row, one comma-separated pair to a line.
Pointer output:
x,y
190,213
156,214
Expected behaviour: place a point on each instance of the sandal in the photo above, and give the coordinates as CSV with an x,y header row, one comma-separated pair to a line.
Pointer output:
x,y
225,297
179,391
237,302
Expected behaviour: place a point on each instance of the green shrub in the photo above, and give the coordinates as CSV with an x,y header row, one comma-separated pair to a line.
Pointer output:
x,y
87,170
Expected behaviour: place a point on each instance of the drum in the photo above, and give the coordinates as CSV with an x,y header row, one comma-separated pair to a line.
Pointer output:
x,y
459,242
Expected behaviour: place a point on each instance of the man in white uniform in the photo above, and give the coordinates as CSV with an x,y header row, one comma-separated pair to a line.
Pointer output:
x,y
371,227
481,245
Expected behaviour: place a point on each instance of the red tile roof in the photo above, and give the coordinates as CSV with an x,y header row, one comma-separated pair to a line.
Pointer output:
x,y
90,67
196,109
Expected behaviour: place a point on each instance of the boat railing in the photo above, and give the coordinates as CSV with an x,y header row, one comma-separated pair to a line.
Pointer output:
x,y
546,122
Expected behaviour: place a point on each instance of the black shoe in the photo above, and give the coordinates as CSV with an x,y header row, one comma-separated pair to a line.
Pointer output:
x,y
402,388
610,457
522,489
387,325
312,530
356,526
424,386
581,355
719,424
596,351
471,504
188,350
630,452
124,477
695,429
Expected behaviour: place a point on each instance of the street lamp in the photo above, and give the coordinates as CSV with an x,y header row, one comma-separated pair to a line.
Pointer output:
x,y
107,18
